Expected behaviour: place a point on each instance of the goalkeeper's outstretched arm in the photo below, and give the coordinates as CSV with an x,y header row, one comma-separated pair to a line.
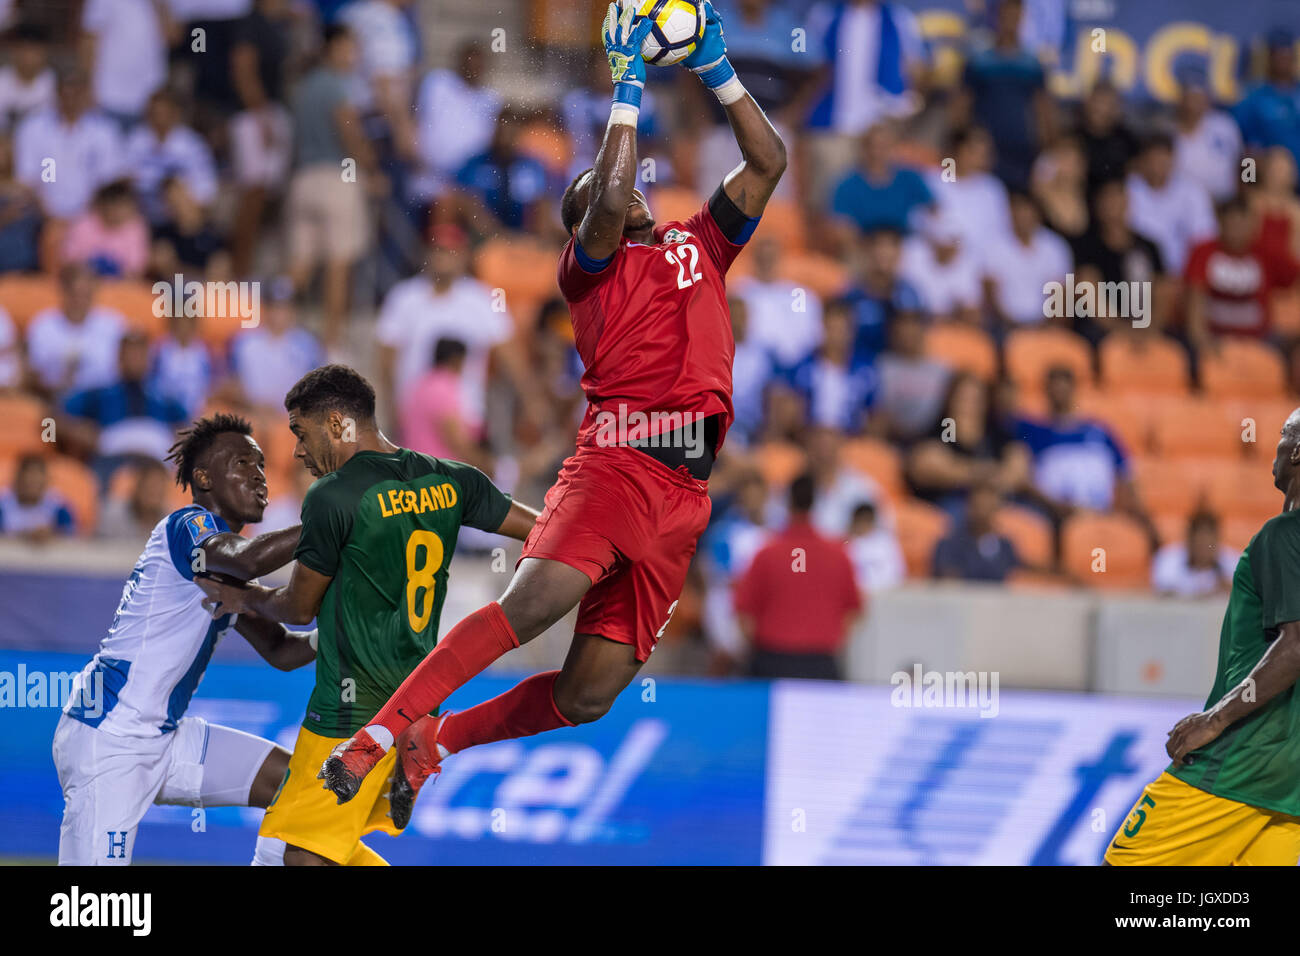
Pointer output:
x,y
763,159
762,153
614,175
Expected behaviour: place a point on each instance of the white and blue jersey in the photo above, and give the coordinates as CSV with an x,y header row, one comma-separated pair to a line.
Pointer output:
x,y
1077,462
161,638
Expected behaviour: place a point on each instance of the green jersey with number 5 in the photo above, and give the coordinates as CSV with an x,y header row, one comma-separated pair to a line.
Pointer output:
x,y
383,527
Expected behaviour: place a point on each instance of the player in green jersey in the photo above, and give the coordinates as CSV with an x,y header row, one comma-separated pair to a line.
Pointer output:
x,y
1232,793
379,529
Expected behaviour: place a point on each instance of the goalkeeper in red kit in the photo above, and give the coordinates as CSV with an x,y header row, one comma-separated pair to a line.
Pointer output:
x,y
621,523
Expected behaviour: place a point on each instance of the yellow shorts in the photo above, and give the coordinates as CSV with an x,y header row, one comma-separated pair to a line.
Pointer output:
x,y
1176,824
304,814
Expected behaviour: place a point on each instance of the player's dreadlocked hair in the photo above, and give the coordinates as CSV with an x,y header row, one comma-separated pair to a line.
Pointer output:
x,y
193,442
570,214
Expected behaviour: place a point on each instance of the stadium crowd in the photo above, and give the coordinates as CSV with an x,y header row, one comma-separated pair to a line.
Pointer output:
x,y
910,390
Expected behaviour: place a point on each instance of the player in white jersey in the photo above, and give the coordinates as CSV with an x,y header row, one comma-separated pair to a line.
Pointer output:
x,y
124,741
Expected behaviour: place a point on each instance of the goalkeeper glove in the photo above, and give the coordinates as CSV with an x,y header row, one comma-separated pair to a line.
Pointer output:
x,y
709,62
623,47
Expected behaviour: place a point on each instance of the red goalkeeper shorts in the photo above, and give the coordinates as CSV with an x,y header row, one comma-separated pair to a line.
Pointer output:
x,y
631,525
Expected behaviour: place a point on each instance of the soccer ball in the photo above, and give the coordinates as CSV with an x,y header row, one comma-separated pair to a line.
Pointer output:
x,y
678,25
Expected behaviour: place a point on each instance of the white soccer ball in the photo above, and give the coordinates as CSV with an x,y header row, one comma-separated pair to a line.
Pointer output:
x,y
678,26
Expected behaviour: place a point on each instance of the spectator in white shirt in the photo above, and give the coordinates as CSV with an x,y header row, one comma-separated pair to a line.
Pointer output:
x,y
944,270
1017,268
974,198
26,81
840,487
1207,147
74,344
444,302
1198,567
387,46
124,47
869,54
268,359
457,117
728,547
183,367
1172,210
878,562
67,152
751,369
161,147
784,318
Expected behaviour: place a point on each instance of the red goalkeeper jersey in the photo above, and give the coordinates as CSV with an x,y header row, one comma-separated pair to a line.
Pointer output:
x,y
654,332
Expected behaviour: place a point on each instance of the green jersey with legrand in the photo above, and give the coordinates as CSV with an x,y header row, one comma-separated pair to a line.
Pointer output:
x,y
1257,760
383,527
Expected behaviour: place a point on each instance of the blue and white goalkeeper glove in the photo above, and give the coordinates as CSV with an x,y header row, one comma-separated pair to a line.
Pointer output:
x,y
623,47
709,61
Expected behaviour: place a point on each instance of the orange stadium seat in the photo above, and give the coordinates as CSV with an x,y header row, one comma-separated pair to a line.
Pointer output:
x,y
21,424
22,296
919,526
1029,531
1261,419
879,461
1172,486
122,482
549,146
1243,369
1171,526
525,272
135,300
1127,551
822,275
1194,428
1031,352
1237,532
1130,420
1242,489
964,347
783,221
674,203
1142,362
779,462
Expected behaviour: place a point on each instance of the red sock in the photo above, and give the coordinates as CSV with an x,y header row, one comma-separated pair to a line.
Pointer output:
x,y
527,708
466,649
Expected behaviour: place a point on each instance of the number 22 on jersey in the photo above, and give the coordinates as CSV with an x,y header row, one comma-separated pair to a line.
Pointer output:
x,y
686,258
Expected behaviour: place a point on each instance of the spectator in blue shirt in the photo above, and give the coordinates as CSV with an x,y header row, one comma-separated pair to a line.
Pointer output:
x,y
31,510
1006,89
1077,462
505,182
128,419
878,294
1270,114
879,193
837,388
